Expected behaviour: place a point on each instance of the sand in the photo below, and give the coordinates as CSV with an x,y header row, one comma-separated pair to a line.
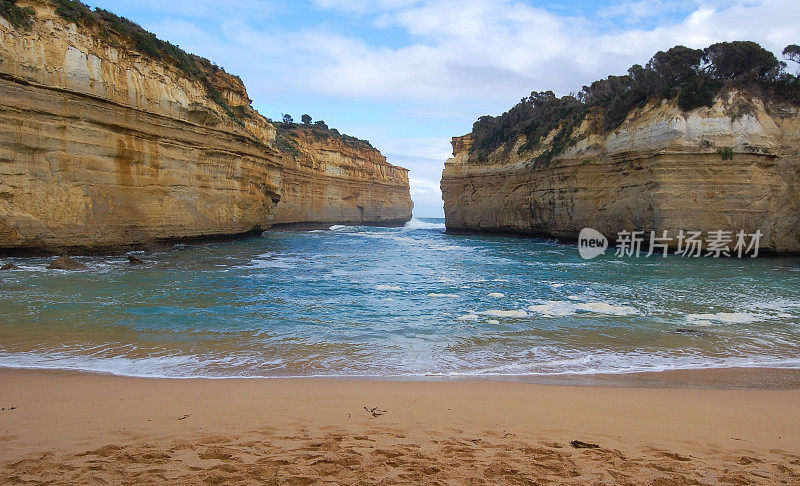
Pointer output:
x,y
87,428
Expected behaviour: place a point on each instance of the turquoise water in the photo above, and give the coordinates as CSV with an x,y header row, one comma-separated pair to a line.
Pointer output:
x,y
409,301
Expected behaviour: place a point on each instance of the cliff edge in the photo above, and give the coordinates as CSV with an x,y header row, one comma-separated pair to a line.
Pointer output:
x,y
337,179
111,138
731,164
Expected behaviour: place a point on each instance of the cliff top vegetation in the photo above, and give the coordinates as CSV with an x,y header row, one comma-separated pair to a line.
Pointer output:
x,y
18,17
317,129
694,77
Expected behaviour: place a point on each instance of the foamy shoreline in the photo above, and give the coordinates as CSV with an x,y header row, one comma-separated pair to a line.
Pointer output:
x,y
741,377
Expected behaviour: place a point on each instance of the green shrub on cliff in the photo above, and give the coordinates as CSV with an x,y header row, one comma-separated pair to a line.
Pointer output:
x,y
697,91
693,77
143,41
18,17
285,144
73,11
216,97
725,153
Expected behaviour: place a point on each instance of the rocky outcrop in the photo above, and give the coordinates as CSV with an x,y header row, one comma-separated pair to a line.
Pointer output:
x,y
105,145
66,263
734,166
331,180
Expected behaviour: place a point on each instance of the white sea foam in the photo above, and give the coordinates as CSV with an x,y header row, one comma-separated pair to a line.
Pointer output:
x,y
529,363
388,287
558,285
274,263
185,366
496,295
448,248
505,313
565,308
434,294
337,227
554,308
606,308
388,236
469,317
493,321
726,317
417,224
778,305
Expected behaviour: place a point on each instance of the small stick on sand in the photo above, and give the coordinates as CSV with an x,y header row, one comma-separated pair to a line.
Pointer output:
x,y
583,445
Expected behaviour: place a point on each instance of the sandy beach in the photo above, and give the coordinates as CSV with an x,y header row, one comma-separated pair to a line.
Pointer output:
x,y
90,428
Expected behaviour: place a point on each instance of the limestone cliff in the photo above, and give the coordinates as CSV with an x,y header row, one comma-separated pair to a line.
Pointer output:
x,y
333,180
110,138
732,166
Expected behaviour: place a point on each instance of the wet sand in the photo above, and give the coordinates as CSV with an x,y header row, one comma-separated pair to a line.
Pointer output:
x,y
676,428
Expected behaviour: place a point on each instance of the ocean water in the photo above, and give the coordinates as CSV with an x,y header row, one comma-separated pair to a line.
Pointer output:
x,y
388,302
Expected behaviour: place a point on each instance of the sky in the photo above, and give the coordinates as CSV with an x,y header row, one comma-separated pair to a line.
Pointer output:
x,y
408,75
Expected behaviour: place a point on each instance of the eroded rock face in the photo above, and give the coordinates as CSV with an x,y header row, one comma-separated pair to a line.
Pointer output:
x,y
331,182
710,169
104,148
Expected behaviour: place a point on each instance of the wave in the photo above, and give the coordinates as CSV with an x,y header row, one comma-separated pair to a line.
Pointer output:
x,y
547,364
393,288
726,317
615,364
418,224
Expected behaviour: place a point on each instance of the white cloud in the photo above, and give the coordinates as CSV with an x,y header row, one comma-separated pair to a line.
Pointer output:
x,y
463,49
460,51
642,9
365,6
194,8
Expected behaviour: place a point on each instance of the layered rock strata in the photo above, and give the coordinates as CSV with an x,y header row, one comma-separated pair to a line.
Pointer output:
x,y
734,166
104,147
332,181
